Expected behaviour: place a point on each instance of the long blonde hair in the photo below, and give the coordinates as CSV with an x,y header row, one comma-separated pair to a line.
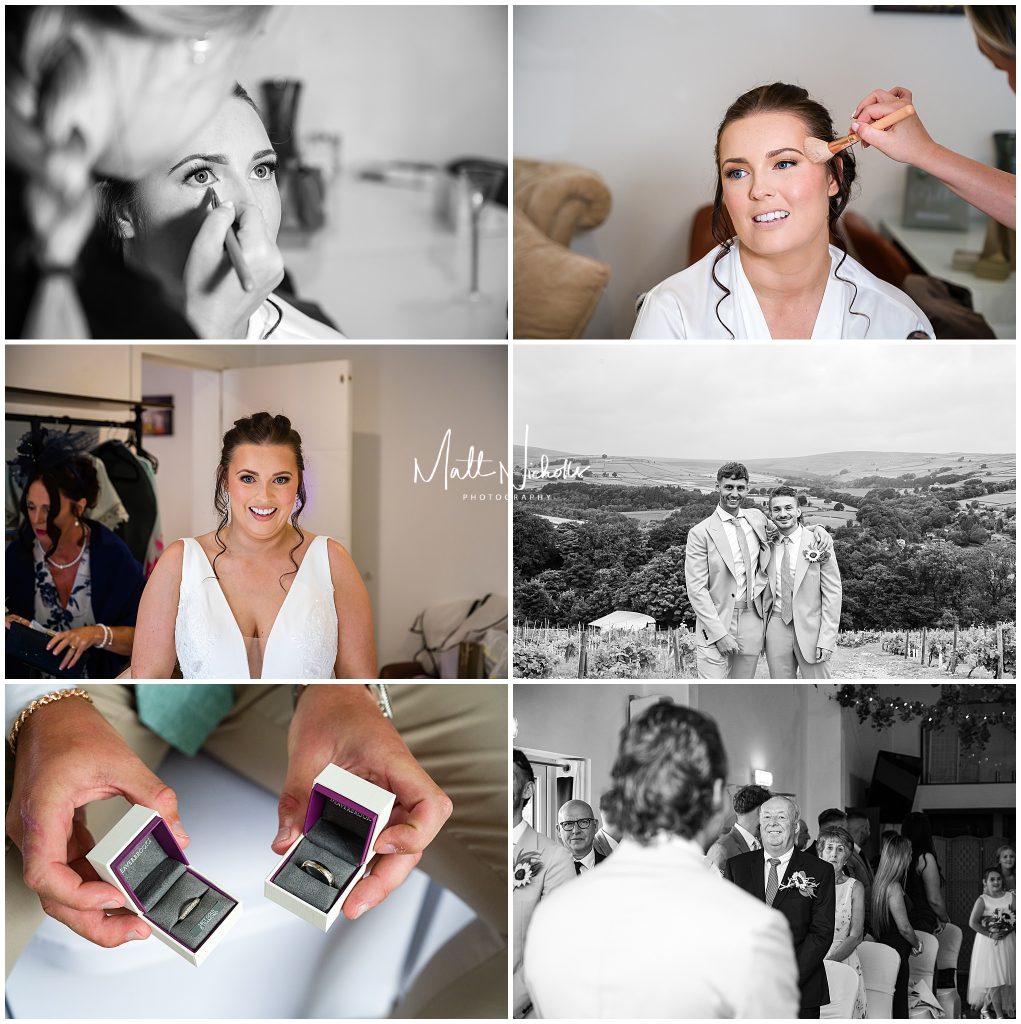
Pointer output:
x,y
893,869
51,77
995,25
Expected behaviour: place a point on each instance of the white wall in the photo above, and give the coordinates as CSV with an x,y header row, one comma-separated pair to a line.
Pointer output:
x,y
416,83
636,94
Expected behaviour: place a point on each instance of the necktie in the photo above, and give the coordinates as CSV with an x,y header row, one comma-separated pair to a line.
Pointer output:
x,y
756,845
578,867
184,714
774,883
786,587
749,569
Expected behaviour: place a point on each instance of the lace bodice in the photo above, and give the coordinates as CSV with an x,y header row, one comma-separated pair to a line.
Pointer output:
x,y
302,643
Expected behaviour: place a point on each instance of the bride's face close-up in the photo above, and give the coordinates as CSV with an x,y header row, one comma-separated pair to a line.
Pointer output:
x,y
777,199
232,155
262,484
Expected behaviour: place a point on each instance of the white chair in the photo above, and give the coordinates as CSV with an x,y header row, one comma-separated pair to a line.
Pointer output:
x,y
879,966
272,964
842,980
950,940
923,966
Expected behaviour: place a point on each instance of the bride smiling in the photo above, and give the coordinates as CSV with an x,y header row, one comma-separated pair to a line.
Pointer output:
x,y
775,273
258,597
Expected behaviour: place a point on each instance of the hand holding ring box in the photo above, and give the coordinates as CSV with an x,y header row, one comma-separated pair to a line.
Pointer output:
x,y
345,817
141,857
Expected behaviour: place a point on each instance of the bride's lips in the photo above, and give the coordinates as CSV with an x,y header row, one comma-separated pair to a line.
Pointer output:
x,y
765,225
262,513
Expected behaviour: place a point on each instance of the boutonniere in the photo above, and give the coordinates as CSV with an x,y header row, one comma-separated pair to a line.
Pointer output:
x,y
813,555
800,881
526,866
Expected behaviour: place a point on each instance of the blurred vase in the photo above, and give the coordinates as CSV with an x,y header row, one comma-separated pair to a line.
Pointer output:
x,y
280,107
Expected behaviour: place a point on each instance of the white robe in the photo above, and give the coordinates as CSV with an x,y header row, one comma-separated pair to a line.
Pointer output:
x,y
684,305
293,326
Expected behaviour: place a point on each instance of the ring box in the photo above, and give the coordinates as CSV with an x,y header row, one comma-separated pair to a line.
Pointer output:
x,y
344,818
141,857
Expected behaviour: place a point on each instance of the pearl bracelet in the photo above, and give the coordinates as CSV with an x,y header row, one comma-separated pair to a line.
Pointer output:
x,y
107,636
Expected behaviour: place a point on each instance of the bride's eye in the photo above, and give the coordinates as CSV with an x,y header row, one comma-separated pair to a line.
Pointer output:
x,y
264,171
735,173
789,163
201,177
283,480
247,478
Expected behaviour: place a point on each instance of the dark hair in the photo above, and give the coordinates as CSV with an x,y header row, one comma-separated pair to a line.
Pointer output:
x,y
523,765
916,828
783,491
115,197
76,478
779,97
834,832
262,429
830,815
734,470
668,761
992,869
747,798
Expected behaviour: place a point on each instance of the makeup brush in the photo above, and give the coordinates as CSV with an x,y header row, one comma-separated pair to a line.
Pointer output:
x,y
818,152
233,247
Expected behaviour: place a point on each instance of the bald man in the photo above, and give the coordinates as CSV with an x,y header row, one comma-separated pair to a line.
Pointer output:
x,y
577,825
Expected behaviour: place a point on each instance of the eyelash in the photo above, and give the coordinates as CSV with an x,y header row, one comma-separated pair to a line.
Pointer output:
x,y
269,165
731,173
281,480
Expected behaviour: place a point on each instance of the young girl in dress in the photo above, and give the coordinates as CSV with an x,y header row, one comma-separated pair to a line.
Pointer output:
x,y
991,979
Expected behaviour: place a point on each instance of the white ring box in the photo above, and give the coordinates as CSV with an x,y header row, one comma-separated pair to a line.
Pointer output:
x,y
113,856
358,809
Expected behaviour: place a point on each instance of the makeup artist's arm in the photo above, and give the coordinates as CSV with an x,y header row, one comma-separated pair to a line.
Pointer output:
x,y
986,188
342,724
67,756
215,303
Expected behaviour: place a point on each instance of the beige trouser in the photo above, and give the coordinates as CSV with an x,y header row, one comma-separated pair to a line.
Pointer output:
x,y
458,733
747,629
784,655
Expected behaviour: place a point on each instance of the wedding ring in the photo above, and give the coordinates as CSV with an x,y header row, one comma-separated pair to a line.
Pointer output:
x,y
188,908
320,871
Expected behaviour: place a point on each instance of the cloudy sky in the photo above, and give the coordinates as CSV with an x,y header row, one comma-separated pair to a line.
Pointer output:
x,y
704,401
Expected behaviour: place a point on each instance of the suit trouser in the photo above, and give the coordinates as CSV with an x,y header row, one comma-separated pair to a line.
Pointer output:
x,y
784,655
746,628
457,733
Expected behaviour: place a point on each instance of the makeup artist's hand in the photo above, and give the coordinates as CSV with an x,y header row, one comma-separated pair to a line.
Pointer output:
x,y
215,302
67,756
343,725
907,141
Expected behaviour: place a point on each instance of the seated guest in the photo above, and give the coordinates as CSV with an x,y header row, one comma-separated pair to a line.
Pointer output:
x,y
543,865
858,867
678,940
744,836
577,824
849,916
890,910
831,816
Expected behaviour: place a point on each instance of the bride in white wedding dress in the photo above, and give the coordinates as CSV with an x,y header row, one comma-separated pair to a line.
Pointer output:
x,y
258,598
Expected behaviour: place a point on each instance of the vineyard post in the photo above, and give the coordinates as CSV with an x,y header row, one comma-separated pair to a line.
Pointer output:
x,y
999,650
583,655
677,654
953,653
923,645
907,643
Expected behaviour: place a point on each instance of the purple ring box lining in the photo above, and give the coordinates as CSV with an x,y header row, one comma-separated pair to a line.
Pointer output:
x,y
161,832
317,801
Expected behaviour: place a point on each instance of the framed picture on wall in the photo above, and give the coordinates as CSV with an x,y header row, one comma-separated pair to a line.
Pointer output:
x,y
920,9
158,422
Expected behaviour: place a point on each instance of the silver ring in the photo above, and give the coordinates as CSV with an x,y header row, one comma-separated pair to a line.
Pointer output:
x,y
188,908
320,871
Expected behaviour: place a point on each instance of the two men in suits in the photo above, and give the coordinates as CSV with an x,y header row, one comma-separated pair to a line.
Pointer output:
x,y
743,837
577,826
725,557
801,887
802,596
543,865
652,932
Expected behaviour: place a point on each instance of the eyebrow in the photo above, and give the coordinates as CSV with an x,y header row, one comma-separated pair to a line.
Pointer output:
x,y
252,472
769,156
219,158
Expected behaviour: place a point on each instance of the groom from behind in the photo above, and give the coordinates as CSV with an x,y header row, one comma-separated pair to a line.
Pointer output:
x,y
800,886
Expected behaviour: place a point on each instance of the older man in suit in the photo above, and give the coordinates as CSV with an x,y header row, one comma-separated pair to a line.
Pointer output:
x,y
803,596
577,825
653,932
542,864
801,887
744,836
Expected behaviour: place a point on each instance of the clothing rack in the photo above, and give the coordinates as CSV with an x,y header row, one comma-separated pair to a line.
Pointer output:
x,y
36,420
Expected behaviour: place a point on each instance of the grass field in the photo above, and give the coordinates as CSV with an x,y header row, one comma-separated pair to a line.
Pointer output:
x,y
1002,499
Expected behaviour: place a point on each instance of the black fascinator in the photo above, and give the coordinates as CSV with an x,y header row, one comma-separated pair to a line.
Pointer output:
x,y
41,450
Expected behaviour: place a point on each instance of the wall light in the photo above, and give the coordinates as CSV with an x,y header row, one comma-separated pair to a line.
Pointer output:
x,y
762,778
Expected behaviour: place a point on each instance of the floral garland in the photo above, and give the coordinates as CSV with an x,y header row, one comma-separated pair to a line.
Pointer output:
x,y
953,707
